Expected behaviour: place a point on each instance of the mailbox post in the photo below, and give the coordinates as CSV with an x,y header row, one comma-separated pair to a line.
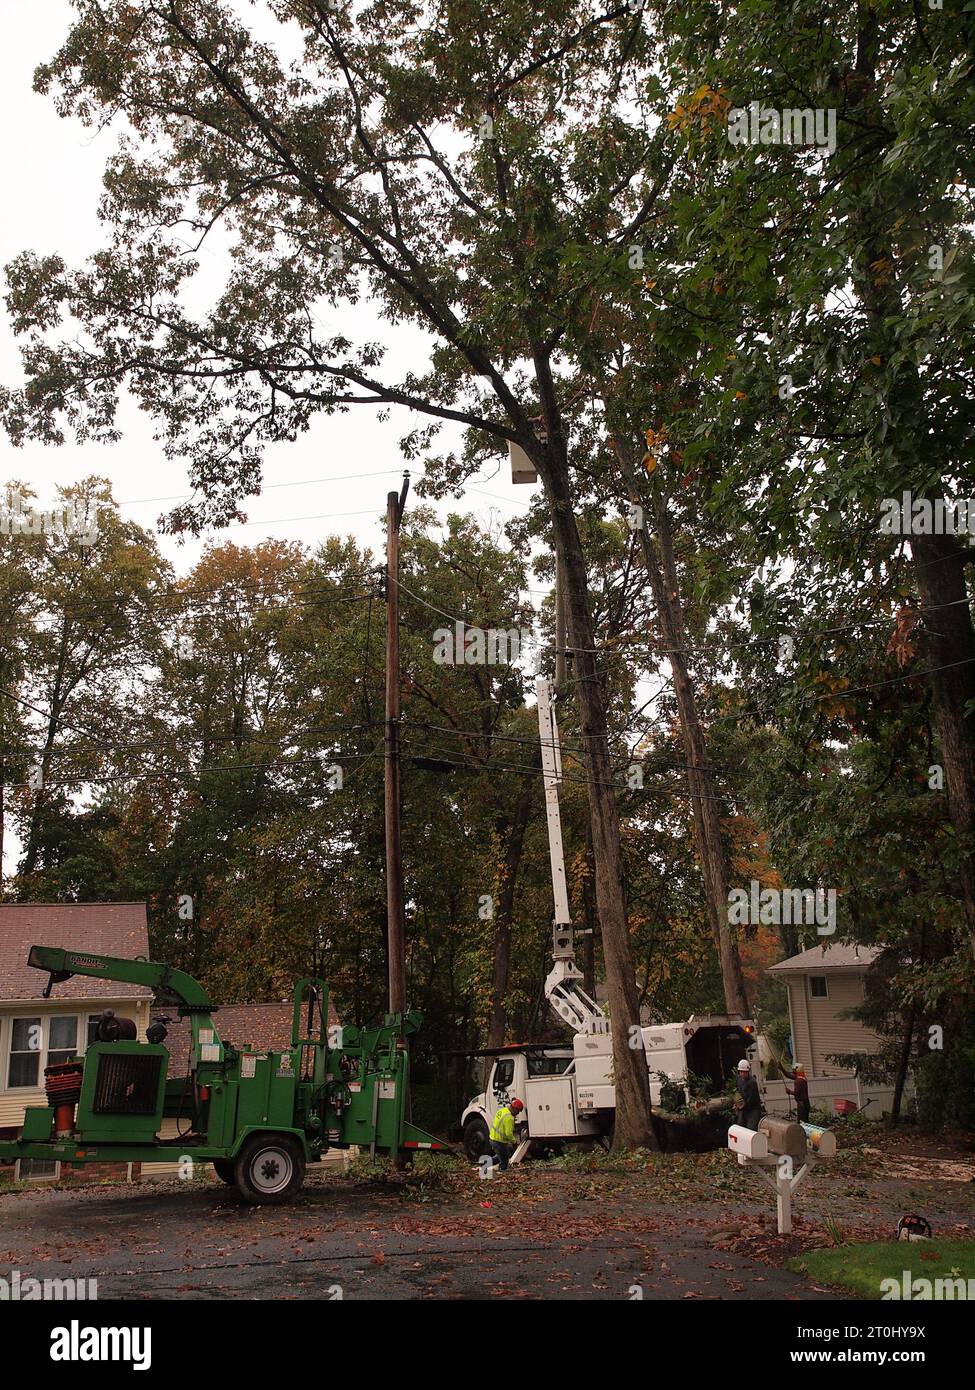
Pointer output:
x,y
783,1153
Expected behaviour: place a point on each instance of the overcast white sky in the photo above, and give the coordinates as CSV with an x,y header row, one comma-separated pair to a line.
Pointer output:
x,y
51,172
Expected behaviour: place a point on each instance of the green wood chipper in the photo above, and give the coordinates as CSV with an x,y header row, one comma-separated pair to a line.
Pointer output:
x,y
258,1116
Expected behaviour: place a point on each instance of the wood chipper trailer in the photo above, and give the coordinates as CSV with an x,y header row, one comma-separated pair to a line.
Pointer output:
x,y
258,1117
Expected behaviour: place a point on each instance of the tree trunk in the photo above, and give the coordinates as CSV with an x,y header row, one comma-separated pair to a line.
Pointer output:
x,y
32,848
789,936
903,1062
632,1127
939,567
498,1022
662,574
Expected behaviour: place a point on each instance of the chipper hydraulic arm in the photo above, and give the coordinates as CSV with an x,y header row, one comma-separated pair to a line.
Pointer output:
x,y
258,1116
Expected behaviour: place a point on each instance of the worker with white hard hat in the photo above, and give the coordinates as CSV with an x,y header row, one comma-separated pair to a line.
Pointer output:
x,y
748,1101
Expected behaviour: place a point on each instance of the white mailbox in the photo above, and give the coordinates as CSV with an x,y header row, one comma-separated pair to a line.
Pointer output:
x,y
749,1143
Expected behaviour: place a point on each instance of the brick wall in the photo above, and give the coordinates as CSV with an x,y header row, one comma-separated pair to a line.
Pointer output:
x,y
98,1172
83,1174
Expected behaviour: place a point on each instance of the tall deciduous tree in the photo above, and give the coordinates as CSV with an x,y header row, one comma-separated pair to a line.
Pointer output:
x,y
439,161
835,293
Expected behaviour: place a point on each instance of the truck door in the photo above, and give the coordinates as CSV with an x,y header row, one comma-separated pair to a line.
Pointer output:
x,y
501,1086
508,1080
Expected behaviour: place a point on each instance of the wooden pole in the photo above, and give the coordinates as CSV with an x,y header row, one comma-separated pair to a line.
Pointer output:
x,y
395,911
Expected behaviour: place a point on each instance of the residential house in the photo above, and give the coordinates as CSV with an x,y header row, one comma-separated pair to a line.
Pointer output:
x,y
36,1032
824,983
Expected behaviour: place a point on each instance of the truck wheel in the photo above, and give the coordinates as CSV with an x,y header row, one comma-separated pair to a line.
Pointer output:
x,y
546,1148
476,1140
269,1169
224,1169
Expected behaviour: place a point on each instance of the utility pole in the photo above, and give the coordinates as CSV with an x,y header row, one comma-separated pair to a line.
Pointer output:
x,y
395,911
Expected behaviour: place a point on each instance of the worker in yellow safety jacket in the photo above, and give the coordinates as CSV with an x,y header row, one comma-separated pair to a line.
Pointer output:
x,y
503,1137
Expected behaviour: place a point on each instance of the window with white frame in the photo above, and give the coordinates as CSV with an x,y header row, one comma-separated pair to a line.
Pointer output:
x,y
38,1041
26,1042
36,1170
62,1039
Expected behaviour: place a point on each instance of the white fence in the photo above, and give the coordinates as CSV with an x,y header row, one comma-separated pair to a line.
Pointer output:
x,y
824,1090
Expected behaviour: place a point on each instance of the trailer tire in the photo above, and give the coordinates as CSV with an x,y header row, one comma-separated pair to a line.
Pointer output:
x,y
224,1169
269,1169
477,1140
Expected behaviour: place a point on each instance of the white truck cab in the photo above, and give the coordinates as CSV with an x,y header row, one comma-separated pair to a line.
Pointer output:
x,y
543,1078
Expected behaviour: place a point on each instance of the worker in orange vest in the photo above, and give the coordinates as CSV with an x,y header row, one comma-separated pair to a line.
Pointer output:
x,y
801,1093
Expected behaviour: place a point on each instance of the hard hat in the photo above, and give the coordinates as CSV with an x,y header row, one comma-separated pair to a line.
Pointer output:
x,y
515,1106
744,1066
800,1071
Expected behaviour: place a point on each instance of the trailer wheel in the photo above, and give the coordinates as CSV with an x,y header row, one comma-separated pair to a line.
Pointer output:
x,y
477,1142
269,1169
224,1169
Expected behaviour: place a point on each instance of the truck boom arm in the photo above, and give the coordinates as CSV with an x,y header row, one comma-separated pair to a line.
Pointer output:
x,y
562,990
571,1002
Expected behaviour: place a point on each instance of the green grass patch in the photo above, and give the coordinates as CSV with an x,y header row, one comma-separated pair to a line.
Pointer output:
x,y
862,1268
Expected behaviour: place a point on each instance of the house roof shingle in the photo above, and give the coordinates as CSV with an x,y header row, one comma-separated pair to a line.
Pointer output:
x,y
839,956
265,1027
111,929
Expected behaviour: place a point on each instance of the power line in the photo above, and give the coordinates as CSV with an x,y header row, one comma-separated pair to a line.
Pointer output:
x,y
442,612
189,597
531,771
877,685
796,634
268,487
282,520
156,774
537,741
96,745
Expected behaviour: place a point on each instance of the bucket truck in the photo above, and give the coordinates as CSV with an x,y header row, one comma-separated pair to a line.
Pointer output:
x,y
569,1092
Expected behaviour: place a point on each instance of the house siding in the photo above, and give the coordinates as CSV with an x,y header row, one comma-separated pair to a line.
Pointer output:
x,y
818,1030
801,1037
829,1032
